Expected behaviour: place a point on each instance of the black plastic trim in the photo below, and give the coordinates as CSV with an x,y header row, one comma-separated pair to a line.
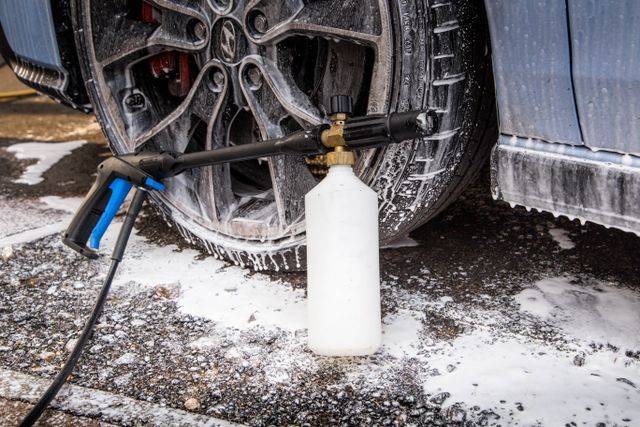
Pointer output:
x,y
66,87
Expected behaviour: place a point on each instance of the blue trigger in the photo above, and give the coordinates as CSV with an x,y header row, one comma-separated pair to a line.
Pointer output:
x,y
119,190
154,185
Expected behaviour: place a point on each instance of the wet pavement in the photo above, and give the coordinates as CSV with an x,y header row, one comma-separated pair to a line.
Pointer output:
x,y
499,316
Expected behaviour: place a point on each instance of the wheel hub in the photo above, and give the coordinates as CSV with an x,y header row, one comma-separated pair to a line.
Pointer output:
x,y
230,44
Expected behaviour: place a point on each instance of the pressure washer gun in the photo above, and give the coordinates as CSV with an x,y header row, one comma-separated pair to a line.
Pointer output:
x,y
146,170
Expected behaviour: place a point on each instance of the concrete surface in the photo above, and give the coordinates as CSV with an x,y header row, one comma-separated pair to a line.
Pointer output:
x,y
498,316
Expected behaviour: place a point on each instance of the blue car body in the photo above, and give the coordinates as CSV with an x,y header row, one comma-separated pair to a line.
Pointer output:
x,y
567,76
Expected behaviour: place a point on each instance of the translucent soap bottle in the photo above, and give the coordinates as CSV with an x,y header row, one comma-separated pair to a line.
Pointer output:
x,y
343,271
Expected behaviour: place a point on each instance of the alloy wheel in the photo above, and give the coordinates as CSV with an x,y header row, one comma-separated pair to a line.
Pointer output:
x,y
202,74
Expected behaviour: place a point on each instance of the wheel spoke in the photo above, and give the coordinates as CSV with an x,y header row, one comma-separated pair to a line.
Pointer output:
x,y
354,20
178,23
291,181
206,191
112,46
203,101
118,37
290,175
277,87
192,192
220,190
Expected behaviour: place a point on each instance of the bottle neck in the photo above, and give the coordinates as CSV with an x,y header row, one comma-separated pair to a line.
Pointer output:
x,y
340,169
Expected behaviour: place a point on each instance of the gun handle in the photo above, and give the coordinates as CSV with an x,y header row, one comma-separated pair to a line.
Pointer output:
x,y
89,214
114,181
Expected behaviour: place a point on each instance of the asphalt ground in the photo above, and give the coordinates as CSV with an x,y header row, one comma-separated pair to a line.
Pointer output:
x,y
153,361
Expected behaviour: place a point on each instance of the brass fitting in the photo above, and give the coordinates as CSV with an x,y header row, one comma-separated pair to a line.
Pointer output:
x,y
334,138
316,160
340,156
317,165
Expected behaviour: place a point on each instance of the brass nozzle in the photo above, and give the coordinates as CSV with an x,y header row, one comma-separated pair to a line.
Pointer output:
x,y
334,138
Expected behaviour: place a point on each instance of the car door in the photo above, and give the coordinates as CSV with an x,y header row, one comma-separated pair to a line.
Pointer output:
x,y
605,47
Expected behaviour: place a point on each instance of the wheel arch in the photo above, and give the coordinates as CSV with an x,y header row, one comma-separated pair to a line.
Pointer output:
x,y
54,70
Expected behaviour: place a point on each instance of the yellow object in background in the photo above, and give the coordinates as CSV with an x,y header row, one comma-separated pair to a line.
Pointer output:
x,y
17,93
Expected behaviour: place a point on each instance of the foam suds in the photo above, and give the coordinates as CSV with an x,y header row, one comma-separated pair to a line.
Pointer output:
x,y
504,366
27,221
64,204
401,333
402,242
587,312
520,376
536,384
506,372
561,237
47,154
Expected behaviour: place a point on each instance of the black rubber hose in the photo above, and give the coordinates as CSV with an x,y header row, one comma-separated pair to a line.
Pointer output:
x,y
303,142
62,376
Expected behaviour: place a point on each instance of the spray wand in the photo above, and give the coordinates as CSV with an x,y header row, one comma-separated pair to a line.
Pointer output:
x,y
146,170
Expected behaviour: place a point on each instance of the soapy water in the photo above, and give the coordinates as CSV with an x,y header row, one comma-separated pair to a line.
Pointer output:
x,y
46,155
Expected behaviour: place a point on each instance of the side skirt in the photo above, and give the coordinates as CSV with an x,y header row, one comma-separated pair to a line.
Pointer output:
x,y
574,181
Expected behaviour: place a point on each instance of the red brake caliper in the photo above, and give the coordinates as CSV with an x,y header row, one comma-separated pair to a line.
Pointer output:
x,y
173,66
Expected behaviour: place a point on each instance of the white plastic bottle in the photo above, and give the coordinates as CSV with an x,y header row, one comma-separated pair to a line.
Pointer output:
x,y
343,266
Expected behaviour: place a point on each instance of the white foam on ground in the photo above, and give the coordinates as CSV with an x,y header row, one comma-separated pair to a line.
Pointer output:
x,y
241,304
26,221
64,204
233,297
597,312
401,242
401,333
561,237
47,154
481,367
490,367
485,365
550,388
229,296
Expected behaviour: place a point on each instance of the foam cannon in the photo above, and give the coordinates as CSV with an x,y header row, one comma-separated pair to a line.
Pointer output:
x,y
341,215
